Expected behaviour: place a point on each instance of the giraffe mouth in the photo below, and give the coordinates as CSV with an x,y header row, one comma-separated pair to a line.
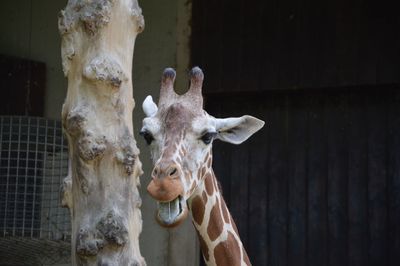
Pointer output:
x,y
172,212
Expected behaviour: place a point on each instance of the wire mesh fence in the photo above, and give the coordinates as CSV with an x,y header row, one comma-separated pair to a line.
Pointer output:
x,y
33,163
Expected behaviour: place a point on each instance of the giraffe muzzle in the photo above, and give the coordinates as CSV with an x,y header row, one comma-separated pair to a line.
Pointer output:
x,y
172,213
166,187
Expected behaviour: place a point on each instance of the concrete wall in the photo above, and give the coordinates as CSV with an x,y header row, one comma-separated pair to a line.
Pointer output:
x,y
28,29
164,43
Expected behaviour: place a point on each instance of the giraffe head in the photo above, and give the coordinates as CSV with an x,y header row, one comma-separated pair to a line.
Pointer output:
x,y
180,135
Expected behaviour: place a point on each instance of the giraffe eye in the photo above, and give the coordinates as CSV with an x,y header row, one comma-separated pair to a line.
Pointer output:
x,y
147,136
208,137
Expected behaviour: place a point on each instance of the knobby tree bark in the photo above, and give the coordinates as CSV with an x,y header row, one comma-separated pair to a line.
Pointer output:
x,y
98,38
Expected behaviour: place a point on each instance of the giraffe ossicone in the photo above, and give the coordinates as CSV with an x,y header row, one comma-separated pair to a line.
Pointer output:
x,y
180,135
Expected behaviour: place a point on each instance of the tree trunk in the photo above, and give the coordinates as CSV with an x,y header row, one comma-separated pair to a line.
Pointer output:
x,y
98,38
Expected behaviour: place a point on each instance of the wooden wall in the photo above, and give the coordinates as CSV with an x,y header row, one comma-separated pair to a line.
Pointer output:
x,y
255,45
320,183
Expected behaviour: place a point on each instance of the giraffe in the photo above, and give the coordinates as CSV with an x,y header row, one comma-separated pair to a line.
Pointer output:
x,y
180,135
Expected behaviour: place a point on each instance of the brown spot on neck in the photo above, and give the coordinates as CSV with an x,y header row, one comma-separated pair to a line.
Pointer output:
x,y
198,208
216,224
208,182
227,253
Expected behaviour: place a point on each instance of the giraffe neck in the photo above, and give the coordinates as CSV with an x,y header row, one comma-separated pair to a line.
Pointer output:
x,y
219,238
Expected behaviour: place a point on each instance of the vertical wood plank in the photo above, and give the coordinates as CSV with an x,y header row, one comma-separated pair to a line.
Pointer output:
x,y
358,182
377,176
394,178
278,182
337,178
306,45
297,176
317,252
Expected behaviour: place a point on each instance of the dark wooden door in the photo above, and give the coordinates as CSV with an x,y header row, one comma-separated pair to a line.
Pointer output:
x,y
320,183
22,86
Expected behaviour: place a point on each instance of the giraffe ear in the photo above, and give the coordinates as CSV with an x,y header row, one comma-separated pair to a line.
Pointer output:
x,y
237,129
149,107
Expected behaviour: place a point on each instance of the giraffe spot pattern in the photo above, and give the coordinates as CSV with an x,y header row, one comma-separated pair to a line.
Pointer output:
x,y
215,227
208,182
198,209
227,253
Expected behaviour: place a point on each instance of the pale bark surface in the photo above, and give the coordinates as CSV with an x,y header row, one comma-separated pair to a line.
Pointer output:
x,y
98,38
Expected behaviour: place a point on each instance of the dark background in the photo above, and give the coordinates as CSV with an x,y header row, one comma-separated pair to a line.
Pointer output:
x,y
320,183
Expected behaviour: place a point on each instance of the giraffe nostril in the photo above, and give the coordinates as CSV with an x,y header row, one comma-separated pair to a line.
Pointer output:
x,y
155,172
172,171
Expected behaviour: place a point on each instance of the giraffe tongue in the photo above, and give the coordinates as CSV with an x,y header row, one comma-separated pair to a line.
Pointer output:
x,y
169,211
